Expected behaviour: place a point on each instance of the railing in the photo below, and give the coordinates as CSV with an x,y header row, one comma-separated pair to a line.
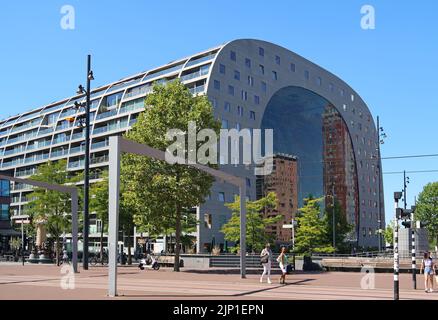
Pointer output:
x,y
198,89
45,131
77,149
199,60
196,74
78,135
101,144
136,91
106,114
37,158
99,159
15,150
27,172
76,164
162,72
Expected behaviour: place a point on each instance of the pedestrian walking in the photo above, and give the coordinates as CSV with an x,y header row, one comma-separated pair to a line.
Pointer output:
x,y
64,256
428,266
282,262
266,260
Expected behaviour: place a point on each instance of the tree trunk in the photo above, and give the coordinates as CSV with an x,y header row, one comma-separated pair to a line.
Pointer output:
x,y
177,238
129,249
57,251
101,242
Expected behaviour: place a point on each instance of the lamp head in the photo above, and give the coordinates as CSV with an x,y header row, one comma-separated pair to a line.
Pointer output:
x,y
80,90
90,75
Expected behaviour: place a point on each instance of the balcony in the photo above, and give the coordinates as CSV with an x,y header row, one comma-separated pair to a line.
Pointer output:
x,y
199,73
198,89
106,114
37,157
99,159
98,145
45,131
200,60
78,135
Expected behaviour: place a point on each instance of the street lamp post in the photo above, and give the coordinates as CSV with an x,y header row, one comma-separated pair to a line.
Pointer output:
x,y
334,218
405,186
81,90
397,196
381,135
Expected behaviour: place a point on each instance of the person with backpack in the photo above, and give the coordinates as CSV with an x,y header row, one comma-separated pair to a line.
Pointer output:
x,y
428,266
266,261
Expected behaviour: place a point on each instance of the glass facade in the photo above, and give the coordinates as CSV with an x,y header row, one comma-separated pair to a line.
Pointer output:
x,y
4,200
309,127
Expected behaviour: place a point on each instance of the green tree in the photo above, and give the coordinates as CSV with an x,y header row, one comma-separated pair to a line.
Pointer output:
x,y
99,204
50,206
427,209
342,227
158,190
389,233
256,224
311,234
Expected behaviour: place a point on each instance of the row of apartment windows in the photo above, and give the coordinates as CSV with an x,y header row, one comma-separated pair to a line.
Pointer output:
x,y
318,80
243,93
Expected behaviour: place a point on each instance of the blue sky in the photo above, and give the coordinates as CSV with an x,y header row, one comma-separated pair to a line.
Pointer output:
x,y
394,67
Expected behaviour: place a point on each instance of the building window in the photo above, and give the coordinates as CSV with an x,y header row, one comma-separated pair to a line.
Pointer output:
x,y
227,106
248,62
252,115
4,213
319,81
238,126
231,90
344,107
224,124
213,102
306,74
261,52
352,97
342,92
221,196
274,75
248,182
292,67
4,188
331,87
236,75
233,55
222,69
240,110
217,84
250,81
262,69
256,99
244,95
277,60
264,86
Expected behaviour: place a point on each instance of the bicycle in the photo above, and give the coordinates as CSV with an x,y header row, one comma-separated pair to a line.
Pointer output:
x,y
97,259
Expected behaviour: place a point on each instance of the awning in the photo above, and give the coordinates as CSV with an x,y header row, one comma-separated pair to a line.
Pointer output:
x,y
9,232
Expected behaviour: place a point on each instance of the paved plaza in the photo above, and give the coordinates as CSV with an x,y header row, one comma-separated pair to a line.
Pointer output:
x,y
45,282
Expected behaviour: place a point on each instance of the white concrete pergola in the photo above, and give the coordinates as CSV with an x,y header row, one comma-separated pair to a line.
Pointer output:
x,y
117,145
73,191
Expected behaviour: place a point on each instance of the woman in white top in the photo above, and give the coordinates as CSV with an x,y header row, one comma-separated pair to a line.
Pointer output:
x,y
265,259
282,262
429,271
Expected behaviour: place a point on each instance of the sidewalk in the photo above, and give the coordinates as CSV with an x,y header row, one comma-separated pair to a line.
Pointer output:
x,y
44,282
